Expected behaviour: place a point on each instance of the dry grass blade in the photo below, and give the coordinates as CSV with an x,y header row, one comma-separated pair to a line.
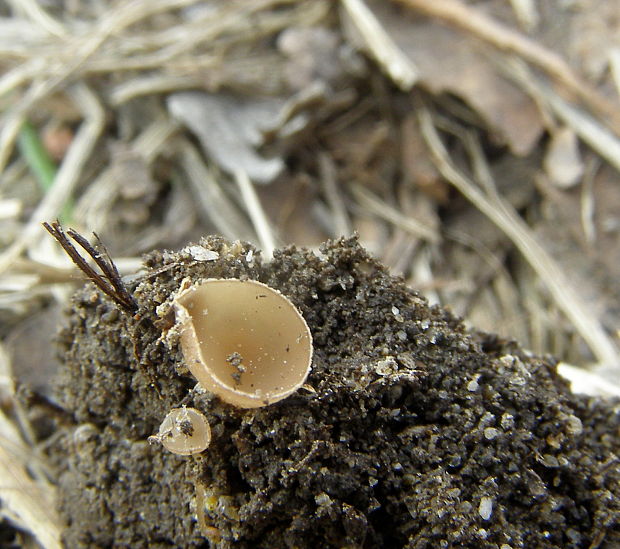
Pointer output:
x,y
92,209
375,205
614,67
506,219
526,12
68,174
14,118
585,126
126,15
423,277
586,382
31,506
378,42
43,273
19,75
587,210
148,85
256,213
342,223
213,201
506,39
26,496
38,15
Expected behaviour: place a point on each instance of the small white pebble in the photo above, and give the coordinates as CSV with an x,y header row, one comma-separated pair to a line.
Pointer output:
x,y
322,499
249,257
473,386
485,509
10,208
397,315
574,425
507,421
549,460
490,433
386,366
199,253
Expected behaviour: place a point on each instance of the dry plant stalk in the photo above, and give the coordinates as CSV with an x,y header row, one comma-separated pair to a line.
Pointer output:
x,y
507,220
110,283
68,174
386,53
455,13
26,496
28,502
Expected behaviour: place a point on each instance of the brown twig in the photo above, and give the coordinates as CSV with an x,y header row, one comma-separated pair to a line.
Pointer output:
x,y
106,265
457,14
110,283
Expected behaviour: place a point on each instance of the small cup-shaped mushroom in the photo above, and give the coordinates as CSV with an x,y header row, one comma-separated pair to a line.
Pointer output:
x,y
184,431
243,340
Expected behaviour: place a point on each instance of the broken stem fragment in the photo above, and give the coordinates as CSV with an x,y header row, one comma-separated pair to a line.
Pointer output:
x,y
111,283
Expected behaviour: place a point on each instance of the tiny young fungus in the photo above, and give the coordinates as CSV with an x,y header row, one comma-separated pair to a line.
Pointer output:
x,y
243,340
184,431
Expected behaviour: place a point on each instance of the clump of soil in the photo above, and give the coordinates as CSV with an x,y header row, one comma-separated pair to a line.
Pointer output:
x,y
413,433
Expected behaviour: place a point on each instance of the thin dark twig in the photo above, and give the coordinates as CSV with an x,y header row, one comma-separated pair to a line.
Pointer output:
x,y
107,266
115,278
92,252
101,245
56,231
110,283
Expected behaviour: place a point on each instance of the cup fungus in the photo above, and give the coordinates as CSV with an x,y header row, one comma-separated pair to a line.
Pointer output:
x,y
184,431
243,340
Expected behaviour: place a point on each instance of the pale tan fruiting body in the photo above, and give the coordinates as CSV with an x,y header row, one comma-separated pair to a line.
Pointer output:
x,y
243,340
184,431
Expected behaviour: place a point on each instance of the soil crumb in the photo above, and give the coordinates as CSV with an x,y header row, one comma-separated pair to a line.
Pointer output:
x,y
413,432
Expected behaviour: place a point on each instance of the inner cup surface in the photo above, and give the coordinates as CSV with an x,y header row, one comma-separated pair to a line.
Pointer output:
x,y
252,339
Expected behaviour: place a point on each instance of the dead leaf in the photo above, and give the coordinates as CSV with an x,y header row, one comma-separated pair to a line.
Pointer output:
x,y
313,54
594,266
230,128
417,166
287,202
448,60
563,161
594,29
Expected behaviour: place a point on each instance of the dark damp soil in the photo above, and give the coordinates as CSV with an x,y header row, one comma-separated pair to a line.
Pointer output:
x,y
415,432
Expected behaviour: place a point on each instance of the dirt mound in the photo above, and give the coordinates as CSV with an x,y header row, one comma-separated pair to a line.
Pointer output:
x,y
412,431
